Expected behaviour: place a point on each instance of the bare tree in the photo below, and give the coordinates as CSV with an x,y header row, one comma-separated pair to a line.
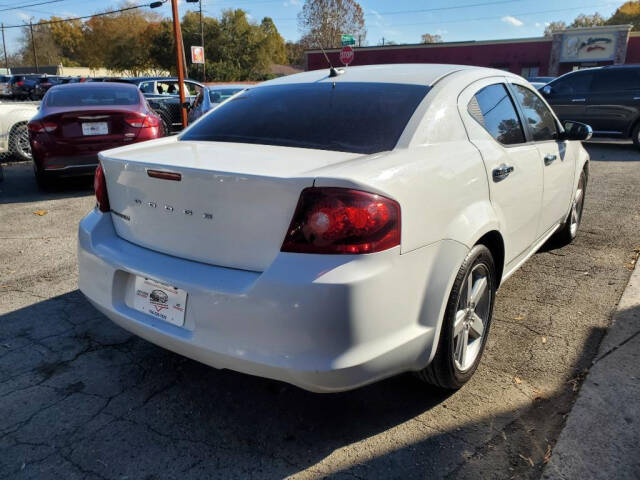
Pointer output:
x,y
554,27
583,20
321,22
429,38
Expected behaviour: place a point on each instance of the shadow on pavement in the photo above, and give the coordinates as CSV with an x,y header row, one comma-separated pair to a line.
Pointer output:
x,y
612,151
80,396
19,186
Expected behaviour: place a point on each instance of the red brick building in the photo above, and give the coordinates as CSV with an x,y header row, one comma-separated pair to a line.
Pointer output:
x,y
541,56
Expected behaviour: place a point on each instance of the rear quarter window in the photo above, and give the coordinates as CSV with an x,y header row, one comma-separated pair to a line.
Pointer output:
x,y
342,116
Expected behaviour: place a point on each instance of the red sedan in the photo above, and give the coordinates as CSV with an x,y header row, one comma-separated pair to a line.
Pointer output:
x,y
76,121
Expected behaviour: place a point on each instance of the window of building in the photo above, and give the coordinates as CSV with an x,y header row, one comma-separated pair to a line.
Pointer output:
x,y
493,108
530,72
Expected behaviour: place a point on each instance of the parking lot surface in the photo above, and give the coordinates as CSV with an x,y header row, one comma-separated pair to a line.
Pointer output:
x,y
82,398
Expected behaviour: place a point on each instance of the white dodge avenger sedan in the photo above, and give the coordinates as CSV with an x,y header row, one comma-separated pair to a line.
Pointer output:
x,y
330,229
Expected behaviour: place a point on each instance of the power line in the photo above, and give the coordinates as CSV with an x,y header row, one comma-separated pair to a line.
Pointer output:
x,y
134,7
18,7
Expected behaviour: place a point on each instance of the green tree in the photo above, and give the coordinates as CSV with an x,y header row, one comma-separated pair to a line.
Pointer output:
x,y
67,35
321,22
295,53
273,43
628,13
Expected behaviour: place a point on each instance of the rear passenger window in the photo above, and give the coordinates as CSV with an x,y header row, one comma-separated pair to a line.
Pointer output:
x,y
539,118
493,108
615,80
571,84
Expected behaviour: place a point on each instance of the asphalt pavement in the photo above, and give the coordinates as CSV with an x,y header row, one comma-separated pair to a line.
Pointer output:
x,y
82,398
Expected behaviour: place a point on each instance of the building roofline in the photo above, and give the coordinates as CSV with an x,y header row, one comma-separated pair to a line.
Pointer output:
x,y
441,44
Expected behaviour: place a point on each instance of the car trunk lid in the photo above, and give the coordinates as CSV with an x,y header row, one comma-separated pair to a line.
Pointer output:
x,y
231,205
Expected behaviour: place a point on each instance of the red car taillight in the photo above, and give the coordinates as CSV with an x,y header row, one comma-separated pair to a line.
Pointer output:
x,y
100,187
343,221
40,127
146,121
20,83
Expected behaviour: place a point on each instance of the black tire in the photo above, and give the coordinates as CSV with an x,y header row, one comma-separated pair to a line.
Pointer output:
x,y
569,229
19,142
444,371
43,180
635,135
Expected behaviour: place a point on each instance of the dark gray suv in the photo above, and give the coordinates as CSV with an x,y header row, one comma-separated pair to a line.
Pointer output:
x,y
606,98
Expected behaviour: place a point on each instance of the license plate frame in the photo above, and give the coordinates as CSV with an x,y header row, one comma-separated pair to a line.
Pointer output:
x,y
95,128
160,300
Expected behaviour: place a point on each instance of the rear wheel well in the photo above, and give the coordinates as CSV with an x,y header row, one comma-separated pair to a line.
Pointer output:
x,y
493,241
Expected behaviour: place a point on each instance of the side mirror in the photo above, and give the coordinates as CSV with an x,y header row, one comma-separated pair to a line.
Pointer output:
x,y
546,90
577,131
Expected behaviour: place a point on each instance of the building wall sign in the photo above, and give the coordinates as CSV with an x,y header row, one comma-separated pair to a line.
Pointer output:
x,y
591,47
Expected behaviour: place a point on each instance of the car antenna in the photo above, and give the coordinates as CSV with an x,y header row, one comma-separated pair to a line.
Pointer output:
x,y
333,72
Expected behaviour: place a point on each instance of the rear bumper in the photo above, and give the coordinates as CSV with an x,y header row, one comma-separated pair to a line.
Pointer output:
x,y
322,322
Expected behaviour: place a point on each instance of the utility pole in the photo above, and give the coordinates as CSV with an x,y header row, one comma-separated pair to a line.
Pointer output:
x,y
177,36
204,58
4,49
33,44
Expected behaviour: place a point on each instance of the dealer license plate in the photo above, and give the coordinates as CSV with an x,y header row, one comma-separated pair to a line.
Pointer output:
x,y
160,300
95,128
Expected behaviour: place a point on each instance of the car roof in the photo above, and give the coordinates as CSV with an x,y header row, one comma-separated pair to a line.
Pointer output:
x,y
227,85
405,73
94,85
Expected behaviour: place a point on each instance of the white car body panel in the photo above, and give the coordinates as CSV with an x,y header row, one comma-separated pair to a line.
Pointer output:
x,y
12,114
322,322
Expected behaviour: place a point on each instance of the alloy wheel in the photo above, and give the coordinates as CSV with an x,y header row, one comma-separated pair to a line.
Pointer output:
x,y
22,145
472,315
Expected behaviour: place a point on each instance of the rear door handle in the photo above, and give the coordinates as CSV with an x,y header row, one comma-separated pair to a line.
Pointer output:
x,y
549,159
502,172
578,99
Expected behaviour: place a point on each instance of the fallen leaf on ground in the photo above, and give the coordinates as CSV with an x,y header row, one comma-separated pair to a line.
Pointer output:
x,y
547,454
544,339
504,435
40,213
517,380
519,317
527,459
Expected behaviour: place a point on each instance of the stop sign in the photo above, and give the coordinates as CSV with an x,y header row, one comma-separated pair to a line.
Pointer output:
x,y
346,55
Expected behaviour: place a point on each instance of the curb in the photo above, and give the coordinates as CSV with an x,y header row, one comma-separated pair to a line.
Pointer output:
x,y
601,439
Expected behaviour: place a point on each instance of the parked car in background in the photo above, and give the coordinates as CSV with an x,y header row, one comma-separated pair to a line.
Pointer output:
x,y
544,80
17,87
76,121
333,231
607,98
14,137
5,88
209,97
42,85
163,96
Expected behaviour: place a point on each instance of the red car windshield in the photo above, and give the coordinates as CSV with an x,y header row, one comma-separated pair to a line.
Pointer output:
x,y
89,96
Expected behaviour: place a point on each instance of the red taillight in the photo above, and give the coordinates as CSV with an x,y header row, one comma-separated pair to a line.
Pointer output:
x,y
343,221
20,83
100,187
40,127
140,121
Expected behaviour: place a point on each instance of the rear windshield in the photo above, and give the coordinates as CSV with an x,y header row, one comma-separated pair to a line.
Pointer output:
x,y
347,117
89,96
219,95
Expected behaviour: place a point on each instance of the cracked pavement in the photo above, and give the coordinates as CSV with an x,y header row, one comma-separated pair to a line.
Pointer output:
x,y
81,398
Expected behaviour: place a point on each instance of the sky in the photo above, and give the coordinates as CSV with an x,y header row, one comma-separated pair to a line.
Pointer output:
x,y
400,21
